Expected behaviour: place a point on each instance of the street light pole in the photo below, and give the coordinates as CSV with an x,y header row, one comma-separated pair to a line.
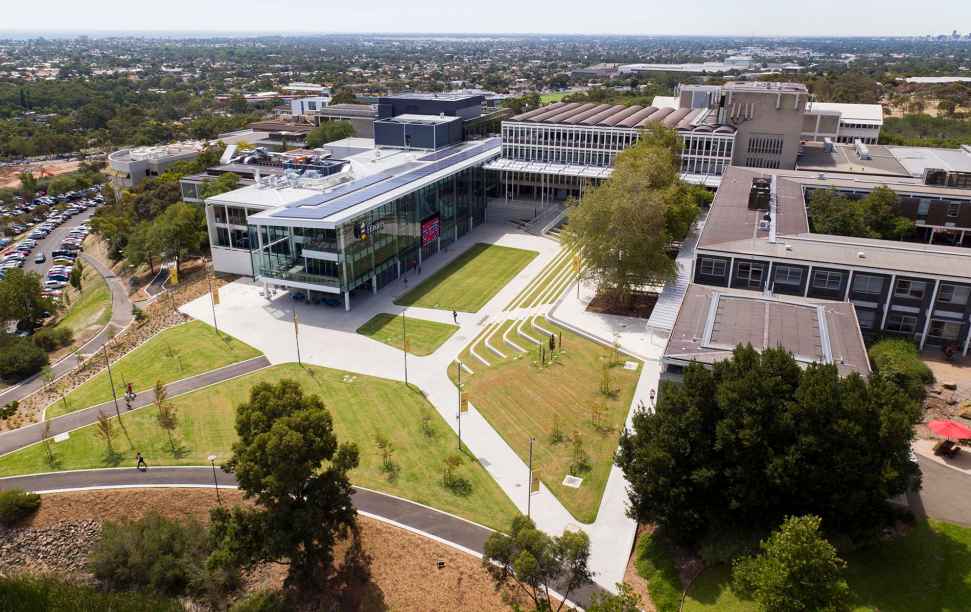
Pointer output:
x,y
404,345
296,333
529,483
111,381
212,462
212,299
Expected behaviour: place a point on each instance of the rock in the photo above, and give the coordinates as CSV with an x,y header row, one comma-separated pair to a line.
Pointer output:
x,y
952,386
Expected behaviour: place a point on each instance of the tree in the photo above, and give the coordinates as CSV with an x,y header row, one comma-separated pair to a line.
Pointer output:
x,y
623,226
181,231
167,413
22,298
873,216
288,461
45,438
758,438
344,95
75,278
797,570
226,181
144,246
626,600
329,131
105,429
537,563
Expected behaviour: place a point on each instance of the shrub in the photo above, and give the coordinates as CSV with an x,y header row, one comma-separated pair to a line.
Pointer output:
x,y
898,360
19,358
42,594
53,338
655,563
156,554
261,601
16,505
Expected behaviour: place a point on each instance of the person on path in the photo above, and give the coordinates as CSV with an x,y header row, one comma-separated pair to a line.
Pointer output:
x,y
140,462
455,316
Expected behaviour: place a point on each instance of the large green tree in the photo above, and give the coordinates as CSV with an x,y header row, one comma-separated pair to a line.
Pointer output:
x,y
876,215
757,438
289,462
797,570
180,231
624,226
329,131
537,563
22,299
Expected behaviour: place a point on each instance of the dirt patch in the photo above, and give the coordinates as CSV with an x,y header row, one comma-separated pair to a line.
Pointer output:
x,y
405,572
9,175
631,577
950,396
640,305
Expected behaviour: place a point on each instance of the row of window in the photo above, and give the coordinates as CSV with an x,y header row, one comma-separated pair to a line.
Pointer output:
x,y
750,275
907,324
758,162
770,144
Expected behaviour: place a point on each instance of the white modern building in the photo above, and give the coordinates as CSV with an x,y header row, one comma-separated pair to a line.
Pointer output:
x,y
129,167
842,123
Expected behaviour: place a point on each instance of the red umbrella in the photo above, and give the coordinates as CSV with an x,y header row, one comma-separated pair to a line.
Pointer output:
x,y
950,430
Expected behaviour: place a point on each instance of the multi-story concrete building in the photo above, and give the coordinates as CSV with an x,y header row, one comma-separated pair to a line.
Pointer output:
x,y
129,167
757,238
842,123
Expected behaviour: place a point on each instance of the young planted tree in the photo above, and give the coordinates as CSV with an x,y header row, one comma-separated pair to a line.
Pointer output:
x,y
167,413
45,438
581,461
536,563
797,570
386,447
289,462
606,377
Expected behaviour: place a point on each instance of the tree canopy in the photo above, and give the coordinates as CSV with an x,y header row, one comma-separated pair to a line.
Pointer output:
x,y
757,438
289,462
538,563
22,299
329,131
797,570
873,216
624,226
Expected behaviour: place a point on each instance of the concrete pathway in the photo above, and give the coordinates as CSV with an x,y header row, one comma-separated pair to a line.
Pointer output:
x,y
121,316
327,337
18,438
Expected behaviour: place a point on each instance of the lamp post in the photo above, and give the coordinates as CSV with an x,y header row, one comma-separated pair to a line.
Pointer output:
x,y
111,381
212,297
529,483
215,482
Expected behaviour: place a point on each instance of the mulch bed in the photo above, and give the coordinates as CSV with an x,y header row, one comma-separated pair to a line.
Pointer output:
x,y
641,305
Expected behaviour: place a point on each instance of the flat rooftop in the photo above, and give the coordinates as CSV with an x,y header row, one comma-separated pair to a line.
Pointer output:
x,y
814,157
420,119
371,179
765,86
448,97
871,114
732,228
713,321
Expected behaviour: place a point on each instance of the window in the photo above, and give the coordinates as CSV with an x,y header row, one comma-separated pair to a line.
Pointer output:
x,y
827,279
712,267
788,275
867,318
749,275
220,213
910,289
867,283
923,207
237,216
222,237
946,330
901,323
953,210
953,294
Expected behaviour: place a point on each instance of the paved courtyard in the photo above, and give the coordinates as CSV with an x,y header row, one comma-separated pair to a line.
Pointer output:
x,y
327,338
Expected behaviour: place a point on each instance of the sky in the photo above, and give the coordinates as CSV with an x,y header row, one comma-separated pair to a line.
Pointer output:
x,y
671,17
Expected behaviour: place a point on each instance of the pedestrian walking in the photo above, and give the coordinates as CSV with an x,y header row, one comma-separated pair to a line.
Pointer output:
x,y
140,462
455,317
405,279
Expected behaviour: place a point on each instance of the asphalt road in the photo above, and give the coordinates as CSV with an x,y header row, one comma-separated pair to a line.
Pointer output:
x,y
53,241
945,493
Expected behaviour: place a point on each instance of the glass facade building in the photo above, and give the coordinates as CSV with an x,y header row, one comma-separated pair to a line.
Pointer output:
x,y
370,250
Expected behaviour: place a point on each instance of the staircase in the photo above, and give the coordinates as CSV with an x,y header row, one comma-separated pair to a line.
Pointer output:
x,y
669,302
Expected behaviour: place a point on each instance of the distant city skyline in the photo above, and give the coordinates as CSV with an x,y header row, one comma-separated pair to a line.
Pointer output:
x,y
626,17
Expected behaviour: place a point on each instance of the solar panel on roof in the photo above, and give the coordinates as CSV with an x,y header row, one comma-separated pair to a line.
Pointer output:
x,y
385,183
441,153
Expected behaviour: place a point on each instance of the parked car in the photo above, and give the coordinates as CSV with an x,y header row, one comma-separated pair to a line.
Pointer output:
x,y
40,258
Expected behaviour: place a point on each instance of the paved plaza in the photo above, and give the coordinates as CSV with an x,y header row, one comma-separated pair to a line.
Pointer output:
x,y
327,337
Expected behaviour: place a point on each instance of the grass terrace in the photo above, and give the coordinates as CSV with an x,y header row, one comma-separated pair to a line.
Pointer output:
x,y
424,337
91,308
553,403
176,353
361,406
467,283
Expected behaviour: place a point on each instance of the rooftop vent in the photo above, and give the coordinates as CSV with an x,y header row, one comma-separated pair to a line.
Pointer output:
x,y
861,254
788,247
759,194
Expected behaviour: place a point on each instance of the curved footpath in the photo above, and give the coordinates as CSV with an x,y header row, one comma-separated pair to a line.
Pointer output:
x,y
425,521
18,438
121,316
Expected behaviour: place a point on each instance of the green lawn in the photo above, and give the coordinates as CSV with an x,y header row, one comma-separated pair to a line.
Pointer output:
x,y
471,280
928,570
424,337
522,400
92,307
553,96
362,406
178,352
